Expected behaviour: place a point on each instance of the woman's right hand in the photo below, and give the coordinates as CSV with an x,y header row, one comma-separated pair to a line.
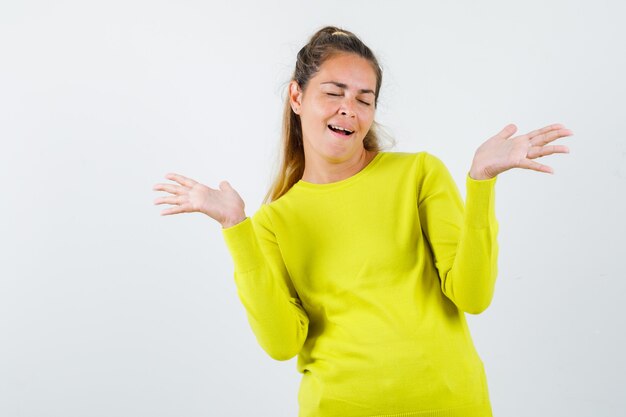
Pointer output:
x,y
223,204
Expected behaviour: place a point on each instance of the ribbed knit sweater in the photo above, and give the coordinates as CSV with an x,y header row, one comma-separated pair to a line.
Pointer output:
x,y
367,280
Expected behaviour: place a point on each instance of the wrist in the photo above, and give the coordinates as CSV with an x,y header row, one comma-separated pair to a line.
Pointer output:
x,y
479,174
230,222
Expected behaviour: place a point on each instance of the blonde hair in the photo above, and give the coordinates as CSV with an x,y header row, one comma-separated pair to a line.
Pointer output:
x,y
324,44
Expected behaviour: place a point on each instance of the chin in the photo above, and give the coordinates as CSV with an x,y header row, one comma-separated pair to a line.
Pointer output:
x,y
343,153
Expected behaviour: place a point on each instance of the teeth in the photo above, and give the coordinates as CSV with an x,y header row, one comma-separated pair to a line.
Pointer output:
x,y
341,128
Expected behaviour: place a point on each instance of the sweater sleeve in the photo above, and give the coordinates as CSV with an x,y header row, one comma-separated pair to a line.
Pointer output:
x,y
274,310
463,240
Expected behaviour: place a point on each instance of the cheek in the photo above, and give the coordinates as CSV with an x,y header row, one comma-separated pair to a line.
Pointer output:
x,y
366,118
321,113
313,121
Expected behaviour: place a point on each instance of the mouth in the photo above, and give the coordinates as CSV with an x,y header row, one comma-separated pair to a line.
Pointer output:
x,y
340,130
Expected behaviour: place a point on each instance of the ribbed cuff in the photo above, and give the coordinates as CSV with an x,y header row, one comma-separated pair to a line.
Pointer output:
x,y
480,201
242,245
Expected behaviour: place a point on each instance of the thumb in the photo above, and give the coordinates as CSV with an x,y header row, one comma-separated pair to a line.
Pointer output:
x,y
507,132
225,186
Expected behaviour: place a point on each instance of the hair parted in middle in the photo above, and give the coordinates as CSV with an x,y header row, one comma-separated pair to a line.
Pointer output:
x,y
324,44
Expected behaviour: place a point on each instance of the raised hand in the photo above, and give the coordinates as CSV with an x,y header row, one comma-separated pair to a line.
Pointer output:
x,y
499,153
223,204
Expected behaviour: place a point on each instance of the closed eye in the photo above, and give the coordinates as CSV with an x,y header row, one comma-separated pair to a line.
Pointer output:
x,y
339,95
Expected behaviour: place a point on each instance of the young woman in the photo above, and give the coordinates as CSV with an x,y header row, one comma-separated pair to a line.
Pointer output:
x,y
364,262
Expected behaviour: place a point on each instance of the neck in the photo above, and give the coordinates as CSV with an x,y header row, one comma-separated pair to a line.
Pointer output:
x,y
321,171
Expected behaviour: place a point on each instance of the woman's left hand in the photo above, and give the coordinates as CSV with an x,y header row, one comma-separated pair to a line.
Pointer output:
x,y
499,153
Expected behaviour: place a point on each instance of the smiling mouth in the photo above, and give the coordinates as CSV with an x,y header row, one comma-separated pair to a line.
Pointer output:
x,y
340,130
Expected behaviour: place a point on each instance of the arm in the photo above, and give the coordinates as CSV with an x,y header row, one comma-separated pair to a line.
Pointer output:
x,y
274,311
263,284
463,241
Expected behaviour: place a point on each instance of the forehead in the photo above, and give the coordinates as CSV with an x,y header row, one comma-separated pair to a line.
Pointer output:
x,y
350,69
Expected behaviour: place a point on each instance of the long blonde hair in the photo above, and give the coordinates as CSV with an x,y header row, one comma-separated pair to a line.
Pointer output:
x,y
324,44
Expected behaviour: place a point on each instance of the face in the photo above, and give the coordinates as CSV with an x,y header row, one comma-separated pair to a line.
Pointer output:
x,y
336,108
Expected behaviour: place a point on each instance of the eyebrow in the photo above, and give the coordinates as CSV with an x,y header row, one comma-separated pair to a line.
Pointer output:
x,y
342,85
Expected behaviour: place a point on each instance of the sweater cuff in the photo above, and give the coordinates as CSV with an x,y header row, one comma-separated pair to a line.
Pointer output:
x,y
480,201
243,246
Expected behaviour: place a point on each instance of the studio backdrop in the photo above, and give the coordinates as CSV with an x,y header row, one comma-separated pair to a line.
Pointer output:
x,y
109,309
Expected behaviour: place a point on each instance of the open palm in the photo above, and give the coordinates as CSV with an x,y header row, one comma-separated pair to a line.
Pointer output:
x,y
501,152
223,204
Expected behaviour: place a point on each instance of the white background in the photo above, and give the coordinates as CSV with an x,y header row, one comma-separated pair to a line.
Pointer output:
x,y
109,309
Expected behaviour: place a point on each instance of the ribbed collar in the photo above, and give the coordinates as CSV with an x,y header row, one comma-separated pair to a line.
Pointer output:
x,y
304,185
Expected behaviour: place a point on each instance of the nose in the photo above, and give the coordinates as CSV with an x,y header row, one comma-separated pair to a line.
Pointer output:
x,y
347,108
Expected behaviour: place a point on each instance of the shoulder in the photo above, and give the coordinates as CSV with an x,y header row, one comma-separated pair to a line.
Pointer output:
x,y
397,159
423,170
400,156
272,214
420,162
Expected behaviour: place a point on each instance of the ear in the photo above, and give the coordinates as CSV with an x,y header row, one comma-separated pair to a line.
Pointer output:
x,y
295,96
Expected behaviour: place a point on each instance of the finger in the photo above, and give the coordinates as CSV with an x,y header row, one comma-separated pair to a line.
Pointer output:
x,y
548,137
187,182
546,129
170,188
549,128
173,210
507,132
535,166
168,200
225,186
539,151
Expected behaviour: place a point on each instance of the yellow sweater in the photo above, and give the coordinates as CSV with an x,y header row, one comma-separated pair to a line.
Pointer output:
x,y
367,280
